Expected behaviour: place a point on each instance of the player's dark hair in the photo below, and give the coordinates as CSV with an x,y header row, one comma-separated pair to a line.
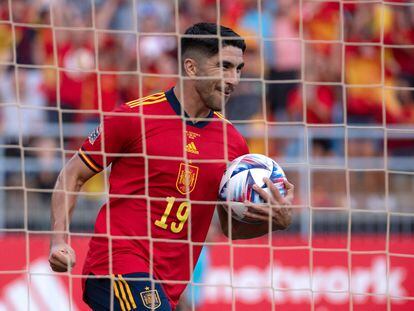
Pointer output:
x,y
193,38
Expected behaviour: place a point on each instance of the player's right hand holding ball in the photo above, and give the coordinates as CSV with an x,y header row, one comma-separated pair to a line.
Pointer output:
x,y
62,257
256,190
277,208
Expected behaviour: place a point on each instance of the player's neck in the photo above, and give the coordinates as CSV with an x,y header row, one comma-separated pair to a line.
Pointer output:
x,y
192,104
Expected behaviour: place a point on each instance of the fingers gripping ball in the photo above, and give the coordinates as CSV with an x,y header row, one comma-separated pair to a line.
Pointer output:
x,y
241,174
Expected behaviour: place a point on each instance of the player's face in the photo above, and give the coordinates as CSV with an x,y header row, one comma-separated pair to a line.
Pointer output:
x,y
219,76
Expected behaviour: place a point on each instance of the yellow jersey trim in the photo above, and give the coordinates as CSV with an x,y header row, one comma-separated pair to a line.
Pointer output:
x,y
220,116
152,96
143,103
150,99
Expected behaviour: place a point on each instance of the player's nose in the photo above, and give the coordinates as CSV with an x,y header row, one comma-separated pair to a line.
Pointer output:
x,y
232,78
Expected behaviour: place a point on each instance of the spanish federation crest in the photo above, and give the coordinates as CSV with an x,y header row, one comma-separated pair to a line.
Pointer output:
x,y
187,178
150,298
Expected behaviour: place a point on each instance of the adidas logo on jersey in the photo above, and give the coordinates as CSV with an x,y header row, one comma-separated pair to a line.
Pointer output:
x,y
191,148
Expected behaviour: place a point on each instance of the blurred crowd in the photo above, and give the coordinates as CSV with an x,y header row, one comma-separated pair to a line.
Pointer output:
x,y
93,60
307,62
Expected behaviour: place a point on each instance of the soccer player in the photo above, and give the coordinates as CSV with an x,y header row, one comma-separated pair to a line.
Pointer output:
x,y
168,152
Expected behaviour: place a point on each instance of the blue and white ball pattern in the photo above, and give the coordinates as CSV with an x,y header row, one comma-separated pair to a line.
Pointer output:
x,y
242,173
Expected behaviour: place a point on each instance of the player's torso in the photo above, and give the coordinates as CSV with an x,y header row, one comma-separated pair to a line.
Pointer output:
x,y
177,176
185,166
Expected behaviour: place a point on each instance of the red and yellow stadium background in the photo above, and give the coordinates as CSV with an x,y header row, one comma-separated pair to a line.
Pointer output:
x,y
367,269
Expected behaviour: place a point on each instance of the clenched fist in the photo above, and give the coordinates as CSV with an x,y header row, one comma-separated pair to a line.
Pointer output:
x,y
62,257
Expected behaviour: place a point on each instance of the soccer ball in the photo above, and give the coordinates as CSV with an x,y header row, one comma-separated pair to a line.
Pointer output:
x,y
241,174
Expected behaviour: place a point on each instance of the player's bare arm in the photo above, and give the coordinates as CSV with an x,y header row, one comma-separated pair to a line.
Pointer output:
x,y
71,178
277,210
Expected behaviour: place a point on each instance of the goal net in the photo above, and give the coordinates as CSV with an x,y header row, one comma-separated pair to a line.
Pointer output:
x,y
327,91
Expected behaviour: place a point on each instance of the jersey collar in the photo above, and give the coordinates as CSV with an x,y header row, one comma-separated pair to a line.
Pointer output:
x,y
176,106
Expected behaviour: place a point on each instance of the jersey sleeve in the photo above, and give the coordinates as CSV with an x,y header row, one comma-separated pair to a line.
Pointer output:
x,y
117,134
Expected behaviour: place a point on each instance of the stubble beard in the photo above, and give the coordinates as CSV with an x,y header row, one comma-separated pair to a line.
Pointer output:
x,y
208,95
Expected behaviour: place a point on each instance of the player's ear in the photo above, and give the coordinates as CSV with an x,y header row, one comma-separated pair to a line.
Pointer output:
x,y
190,67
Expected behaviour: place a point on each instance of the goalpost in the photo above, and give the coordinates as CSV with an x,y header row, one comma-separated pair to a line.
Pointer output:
x,y
327,92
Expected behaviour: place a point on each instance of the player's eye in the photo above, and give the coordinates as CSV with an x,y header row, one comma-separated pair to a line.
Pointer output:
x,y
226,65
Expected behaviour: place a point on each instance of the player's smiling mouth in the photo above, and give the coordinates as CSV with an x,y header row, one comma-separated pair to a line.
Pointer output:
x,y
225,93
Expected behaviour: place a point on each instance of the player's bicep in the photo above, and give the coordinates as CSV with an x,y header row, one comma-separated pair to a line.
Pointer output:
x,y
74,174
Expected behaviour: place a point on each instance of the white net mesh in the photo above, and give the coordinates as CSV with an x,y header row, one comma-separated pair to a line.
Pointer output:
x,y
327,91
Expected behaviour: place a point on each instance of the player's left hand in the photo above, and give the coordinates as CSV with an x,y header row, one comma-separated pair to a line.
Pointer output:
x,y
277,208
62,257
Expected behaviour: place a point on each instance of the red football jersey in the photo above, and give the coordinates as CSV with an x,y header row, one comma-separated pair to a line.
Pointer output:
x,y
164,182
